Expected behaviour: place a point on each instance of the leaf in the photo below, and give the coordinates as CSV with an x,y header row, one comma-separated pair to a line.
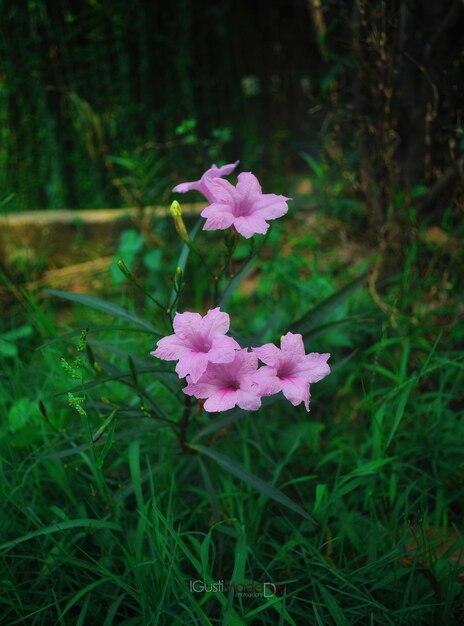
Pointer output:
x,y
94,524
257,483
108,444
106,379
333,607
183,257
313,318
106,424
23,331
319,330
21,413
153,260
92,330
233,416
126,163
235,282
229,418
340,364
314,165
7,340
8,349
400,411
106,307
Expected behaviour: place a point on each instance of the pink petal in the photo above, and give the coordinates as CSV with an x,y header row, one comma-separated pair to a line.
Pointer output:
x,y
224,170
248,400
186,324
215,322
184,187
269,354
221,400
223,349
170,348
314,367
249,225
245,364
219,217
221,191
248,186
202,389
270,206
193,363
267,381
296,391
292,345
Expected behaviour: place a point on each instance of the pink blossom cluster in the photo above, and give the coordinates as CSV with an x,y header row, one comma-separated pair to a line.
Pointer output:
x,y
244,207
225,375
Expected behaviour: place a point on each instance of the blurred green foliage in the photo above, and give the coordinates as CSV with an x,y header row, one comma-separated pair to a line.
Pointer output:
x,y
149,91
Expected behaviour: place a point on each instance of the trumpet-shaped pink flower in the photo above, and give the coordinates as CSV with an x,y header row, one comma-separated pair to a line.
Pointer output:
x,y
196,342
289,369
244,207
226,386
200,185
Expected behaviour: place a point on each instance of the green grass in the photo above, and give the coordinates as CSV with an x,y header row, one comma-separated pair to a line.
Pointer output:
x,y
115,532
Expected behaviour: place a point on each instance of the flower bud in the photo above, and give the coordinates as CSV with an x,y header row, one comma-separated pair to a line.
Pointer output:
x,y
124,269
176,212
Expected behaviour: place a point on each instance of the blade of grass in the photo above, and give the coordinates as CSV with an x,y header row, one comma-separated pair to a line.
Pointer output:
x,y
106,307
257,483
93,524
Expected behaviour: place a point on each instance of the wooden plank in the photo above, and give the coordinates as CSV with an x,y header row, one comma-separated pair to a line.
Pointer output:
x,y
91,216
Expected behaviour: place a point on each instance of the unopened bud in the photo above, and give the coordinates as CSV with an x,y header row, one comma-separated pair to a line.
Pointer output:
x,y
176,212
179,274
175,209
123,268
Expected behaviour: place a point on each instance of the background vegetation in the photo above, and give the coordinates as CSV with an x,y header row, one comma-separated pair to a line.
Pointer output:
x,y
353,108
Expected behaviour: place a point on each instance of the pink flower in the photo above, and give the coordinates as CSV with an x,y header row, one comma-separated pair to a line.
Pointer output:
x,y
200,185
289,369
244,207
196,342
226,386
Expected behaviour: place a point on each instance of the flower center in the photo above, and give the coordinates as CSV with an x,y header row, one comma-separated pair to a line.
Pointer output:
x,y
241,208
285,371
233,385
200,344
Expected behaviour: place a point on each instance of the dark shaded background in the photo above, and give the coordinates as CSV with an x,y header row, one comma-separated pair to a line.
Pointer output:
x,y
98,90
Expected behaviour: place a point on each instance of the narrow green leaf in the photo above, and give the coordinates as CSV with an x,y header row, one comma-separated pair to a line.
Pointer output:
x,y
313,318
400,411
92,524
334,608
370,467
134,464
106,424
257,483
106,307
240,557
107,379
107,446
323,328
229,418
340,364
314,165
183,257
234,619
235,282
321,495
92,330
81,593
